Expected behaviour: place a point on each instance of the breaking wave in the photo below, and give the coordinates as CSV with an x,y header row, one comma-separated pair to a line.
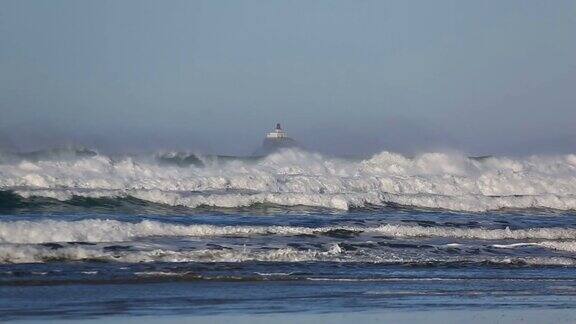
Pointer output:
x,y
295,177
107,240
24,253
98,230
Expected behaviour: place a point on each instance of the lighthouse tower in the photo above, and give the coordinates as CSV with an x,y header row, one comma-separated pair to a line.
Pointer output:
x,y
275,140
277,133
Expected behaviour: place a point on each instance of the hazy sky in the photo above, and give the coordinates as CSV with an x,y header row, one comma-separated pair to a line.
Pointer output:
x,y
352,77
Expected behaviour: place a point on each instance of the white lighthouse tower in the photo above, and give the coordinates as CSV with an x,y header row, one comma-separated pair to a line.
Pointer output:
x,y
277,133
275,140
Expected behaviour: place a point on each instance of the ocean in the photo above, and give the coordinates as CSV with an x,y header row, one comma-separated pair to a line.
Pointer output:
x,y
94,237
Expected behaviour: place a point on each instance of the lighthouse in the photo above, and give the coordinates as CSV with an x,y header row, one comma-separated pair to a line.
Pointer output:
x,y
275,140
277,133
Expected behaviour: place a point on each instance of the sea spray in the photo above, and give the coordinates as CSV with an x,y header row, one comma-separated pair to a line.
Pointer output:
x,y
295,177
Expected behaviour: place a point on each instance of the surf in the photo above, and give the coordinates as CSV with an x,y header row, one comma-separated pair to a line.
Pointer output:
x,y
295,177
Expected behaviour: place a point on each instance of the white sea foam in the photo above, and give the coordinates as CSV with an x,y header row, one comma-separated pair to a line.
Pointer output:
x,y
25,253
568,246
554,233
18,253
293,177
98,230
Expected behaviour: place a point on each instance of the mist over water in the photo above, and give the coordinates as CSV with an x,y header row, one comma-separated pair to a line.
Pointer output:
x,y
343,78
395,135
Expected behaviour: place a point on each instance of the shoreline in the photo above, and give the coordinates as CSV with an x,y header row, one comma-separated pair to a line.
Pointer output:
x,y
382,316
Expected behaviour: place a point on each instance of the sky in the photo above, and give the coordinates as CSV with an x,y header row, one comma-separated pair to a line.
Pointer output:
x,y
343,77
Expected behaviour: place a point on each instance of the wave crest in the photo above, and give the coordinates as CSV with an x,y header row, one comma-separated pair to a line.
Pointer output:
x,y
99,230
296,177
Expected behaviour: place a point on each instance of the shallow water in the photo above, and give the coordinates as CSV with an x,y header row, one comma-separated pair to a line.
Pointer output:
x,y
81,265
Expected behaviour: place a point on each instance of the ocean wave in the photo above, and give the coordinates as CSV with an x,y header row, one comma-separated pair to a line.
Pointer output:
x,y
568,246
36,254
24,253
295,177
99,230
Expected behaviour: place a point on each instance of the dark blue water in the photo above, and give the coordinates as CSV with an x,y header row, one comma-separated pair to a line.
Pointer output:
x,y
59,261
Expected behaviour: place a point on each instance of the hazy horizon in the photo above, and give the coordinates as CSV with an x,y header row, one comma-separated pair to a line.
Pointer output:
x,y
343,77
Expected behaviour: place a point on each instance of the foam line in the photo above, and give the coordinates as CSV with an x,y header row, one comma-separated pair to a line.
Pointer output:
x,y
99,230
